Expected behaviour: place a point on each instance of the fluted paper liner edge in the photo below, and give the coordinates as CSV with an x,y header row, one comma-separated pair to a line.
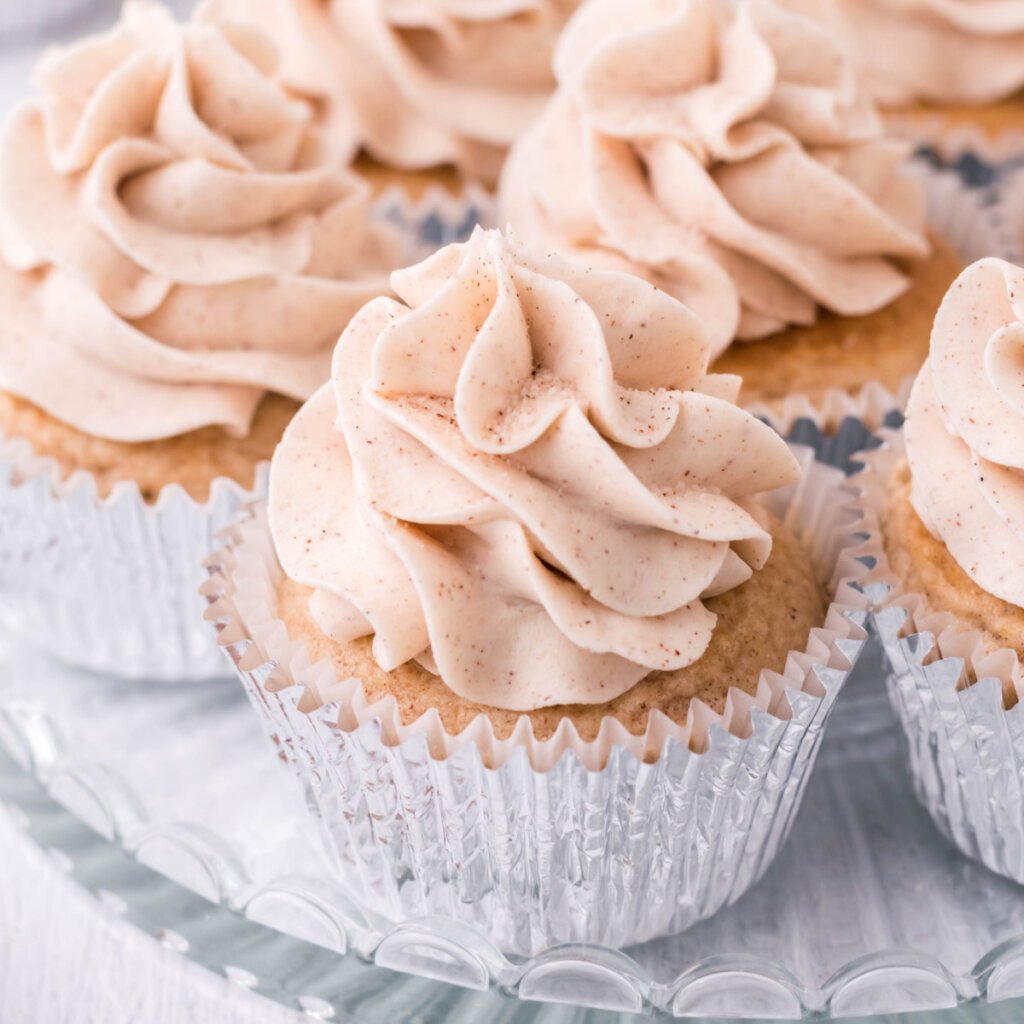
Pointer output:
x,y
107,582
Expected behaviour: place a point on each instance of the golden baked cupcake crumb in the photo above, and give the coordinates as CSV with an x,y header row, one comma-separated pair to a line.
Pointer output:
x,y
889,345
994,121
924,566
759,623
414,184
192,460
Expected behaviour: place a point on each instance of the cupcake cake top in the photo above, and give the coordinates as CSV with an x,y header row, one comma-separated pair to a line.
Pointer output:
x,y
522,476
419,83
176,239
965,428
724,150
938,51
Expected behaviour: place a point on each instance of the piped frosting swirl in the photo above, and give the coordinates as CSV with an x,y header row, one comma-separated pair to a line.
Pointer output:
x,y
522,477
724,150
419,83
965,428
938,51
176,238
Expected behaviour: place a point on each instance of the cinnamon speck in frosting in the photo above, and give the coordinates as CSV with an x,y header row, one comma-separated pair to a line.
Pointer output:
x,y
725,151
555,484
176,239
965,428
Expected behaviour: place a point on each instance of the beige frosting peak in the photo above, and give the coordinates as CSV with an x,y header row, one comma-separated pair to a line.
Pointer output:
x,y
723,150
522,477
176,240
965,428
421,82
939,51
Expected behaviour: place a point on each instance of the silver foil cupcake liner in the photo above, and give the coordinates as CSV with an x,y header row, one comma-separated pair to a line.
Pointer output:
x,y
536,843
111,584
965,745
975,222
108,584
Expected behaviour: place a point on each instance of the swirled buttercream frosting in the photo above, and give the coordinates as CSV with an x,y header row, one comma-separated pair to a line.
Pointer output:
x,y
419,83
522,477
724,150
176,240
938,51
965,428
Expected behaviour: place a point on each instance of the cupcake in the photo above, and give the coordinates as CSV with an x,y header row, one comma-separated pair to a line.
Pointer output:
x,y
533,585
179,252
418,85
940,67
726,153
943,507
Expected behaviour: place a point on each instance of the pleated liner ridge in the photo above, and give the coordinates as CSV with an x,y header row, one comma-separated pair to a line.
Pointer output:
x,y
109,584
956,701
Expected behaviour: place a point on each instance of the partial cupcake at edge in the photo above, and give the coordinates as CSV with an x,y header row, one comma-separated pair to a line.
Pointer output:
x,y
942,505
729,154
524,519
179,250
946,71
422,93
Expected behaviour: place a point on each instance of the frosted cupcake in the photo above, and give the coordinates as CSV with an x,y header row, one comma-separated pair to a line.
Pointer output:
x,y
726,153
524,539
944,506
940,66
179,252
420,85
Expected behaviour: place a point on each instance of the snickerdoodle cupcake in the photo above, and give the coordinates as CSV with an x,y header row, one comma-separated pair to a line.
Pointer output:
x,y
727,153
524,538
179,252
943,505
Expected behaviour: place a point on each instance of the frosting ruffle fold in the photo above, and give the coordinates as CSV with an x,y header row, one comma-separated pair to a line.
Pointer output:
x,y
419,83
522,477
177,240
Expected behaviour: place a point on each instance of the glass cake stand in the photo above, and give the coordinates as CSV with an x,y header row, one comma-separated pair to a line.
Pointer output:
x,y
168,804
